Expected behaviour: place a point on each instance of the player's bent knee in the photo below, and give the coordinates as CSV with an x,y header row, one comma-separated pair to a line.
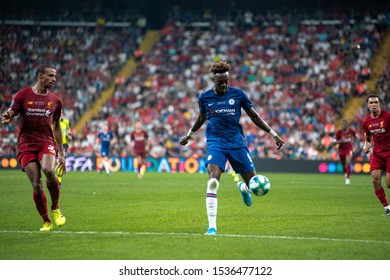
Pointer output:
x,y
212,185
50,173
37,188
47,170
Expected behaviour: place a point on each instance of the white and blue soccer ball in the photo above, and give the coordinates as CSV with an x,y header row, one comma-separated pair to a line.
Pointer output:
x,y
259,185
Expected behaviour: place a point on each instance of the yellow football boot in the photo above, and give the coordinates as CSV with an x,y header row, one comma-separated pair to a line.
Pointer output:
x,y
59,219
47,226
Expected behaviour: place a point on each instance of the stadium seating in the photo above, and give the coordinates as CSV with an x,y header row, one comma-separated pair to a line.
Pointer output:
x,y
299,73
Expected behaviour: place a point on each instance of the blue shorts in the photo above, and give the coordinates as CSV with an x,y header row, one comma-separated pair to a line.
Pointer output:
x,y
104,153
239,159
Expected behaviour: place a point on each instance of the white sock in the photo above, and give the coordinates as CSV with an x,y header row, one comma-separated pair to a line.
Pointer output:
x,y
212,202
229,170
244,188
106,167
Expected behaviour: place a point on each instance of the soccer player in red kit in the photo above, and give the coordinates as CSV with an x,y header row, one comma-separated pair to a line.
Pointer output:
x,y
376,128
40,140
345,138
139,140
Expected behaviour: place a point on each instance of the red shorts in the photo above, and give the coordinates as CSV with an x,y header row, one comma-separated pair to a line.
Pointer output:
x,y
380,161
343,154
141,154
35,152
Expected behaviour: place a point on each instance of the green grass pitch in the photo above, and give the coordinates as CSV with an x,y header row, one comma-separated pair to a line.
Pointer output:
x,y
163,217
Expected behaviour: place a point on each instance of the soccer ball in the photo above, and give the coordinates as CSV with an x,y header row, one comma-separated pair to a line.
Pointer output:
x,y
259,185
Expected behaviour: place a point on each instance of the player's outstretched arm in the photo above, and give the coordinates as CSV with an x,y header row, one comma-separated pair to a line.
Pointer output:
x,y
279,141
200,120
367,143
258,121
7,116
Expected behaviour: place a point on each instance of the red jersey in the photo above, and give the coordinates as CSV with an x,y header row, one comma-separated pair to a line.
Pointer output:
x,y
37,112
139,139
379,129
346,138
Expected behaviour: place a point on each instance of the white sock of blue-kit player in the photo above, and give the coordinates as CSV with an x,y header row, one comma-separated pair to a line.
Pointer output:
x,y
212,202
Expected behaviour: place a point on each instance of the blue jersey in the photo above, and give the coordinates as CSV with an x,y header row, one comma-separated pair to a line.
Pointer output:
x,y
105,139
223,117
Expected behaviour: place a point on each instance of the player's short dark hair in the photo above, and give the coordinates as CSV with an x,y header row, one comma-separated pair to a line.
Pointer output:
x,y
42,69
219,67
372,95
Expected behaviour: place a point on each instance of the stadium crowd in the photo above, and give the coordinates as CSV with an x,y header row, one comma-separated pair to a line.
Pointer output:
x,y
298,72
87,59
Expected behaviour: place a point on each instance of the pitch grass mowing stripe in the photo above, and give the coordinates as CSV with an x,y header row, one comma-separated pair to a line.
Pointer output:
x,y
198,234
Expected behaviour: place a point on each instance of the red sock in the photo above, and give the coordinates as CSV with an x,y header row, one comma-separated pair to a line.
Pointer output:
x,y
139,168
54,194
382,196
348,171
41,205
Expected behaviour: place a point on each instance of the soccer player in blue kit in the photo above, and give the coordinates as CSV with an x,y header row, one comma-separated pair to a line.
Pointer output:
x,y
221,107
106,138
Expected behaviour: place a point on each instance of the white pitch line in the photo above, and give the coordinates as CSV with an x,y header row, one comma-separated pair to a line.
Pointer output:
x,y
198,234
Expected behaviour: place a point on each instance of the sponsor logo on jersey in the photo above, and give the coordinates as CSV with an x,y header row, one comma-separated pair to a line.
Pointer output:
x,y
38,112
377,131
224,111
